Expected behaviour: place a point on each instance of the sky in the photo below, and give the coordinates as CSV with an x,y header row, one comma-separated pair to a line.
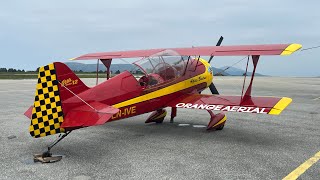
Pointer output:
x,y
34,33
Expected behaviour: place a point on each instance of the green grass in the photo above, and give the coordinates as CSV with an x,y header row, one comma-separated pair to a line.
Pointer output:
x,y
17,76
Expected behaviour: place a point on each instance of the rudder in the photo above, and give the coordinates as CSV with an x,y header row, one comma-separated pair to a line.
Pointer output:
x,y
47,114
53,87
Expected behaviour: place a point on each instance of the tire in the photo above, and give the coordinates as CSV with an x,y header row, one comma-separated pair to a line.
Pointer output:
x,y
220,127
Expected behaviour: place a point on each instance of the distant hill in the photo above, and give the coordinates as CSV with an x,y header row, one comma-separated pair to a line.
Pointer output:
x,y
75,66
219,71
237,72
93,67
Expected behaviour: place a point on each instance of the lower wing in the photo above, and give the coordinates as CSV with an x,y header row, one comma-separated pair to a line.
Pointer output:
x,y
261,105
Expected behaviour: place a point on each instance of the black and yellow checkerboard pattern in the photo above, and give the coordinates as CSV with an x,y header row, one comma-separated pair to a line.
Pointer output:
x,y
47,114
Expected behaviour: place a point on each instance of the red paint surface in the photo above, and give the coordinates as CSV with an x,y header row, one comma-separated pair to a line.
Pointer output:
x,y
63,72
241,50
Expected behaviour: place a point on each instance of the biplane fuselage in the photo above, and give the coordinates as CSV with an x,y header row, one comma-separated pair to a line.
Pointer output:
x,y
125,93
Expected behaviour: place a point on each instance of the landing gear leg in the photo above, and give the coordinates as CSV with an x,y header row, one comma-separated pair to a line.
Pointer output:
x,y
173,114
217,121
47,157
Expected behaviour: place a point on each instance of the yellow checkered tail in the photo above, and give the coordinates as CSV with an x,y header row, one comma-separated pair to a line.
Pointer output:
x,y
47,114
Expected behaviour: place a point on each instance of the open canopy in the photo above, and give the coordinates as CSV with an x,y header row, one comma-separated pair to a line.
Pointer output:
x,y
240,50
162,67
167,59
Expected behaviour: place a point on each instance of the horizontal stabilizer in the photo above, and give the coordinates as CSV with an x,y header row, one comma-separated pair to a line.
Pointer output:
x,y
261,105
88,115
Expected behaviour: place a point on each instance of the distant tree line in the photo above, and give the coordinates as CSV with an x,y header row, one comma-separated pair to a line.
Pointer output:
x,y
11,70
77,71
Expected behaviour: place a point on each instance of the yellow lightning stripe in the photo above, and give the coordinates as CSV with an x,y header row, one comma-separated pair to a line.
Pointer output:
x,y
291,49
221,121
280,106
303,167
170,89
161,115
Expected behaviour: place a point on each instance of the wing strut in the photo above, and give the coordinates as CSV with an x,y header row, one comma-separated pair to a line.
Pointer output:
x,y
97,78
197,63
107,63
185,70
245,77
247,95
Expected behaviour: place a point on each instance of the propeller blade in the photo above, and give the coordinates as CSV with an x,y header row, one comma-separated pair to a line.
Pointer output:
x,y
213,89
220,41
218,44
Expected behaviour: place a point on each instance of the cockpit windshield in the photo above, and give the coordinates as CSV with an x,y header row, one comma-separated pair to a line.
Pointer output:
x,y
161,67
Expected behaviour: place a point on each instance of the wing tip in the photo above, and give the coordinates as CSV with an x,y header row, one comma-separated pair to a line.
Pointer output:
x,y
291,49
280,106
73,58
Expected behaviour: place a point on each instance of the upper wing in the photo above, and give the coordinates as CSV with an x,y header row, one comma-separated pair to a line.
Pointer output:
x,y
263,105
270,49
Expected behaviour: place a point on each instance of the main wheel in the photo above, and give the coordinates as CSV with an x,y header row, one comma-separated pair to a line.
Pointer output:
x,y
159,121
220,127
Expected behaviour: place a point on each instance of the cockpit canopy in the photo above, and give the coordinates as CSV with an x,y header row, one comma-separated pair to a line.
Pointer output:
x,y
161,67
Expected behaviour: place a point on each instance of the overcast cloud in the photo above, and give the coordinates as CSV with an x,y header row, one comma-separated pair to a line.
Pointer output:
x,y
36,32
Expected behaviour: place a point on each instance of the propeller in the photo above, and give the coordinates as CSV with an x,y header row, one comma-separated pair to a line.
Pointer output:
x,y
212,87
218,44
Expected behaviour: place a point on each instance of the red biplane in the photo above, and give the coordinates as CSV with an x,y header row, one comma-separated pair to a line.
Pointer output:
x,y
173,77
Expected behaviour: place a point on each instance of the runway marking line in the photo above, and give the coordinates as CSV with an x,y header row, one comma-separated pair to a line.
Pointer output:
x,y
303,167
184,125
199,126
15,91
316,98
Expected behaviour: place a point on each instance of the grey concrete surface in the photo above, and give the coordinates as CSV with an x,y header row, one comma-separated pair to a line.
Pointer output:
x,y
251,146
